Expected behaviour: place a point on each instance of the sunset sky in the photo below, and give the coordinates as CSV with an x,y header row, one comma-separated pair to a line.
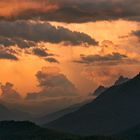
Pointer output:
x,y
53,48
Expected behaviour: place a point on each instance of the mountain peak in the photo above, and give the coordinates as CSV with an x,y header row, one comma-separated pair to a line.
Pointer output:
x,y
121,80
113,111
137,76
99,90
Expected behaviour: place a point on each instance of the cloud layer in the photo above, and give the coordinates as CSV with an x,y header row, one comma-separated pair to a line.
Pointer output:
x,y
110,59
15,8
38,31
70,10
26,35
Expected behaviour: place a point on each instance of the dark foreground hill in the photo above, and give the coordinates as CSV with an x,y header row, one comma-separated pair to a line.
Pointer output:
x,y
12,130
115,110
11,114
25,130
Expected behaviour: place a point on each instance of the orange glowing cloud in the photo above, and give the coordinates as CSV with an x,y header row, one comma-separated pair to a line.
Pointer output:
x,y
14,8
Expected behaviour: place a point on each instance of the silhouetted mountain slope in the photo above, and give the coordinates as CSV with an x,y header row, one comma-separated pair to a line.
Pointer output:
x,y
10,127
112,112
9,114
99,90
12,130
121,80
102,89
53,116
25,130
132,133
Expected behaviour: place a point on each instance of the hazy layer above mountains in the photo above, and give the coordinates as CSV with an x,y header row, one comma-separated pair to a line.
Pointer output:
x,y
47,109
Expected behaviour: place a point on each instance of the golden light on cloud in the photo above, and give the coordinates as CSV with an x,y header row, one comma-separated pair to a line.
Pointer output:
x,y
57,56
14,8
85,77
103,30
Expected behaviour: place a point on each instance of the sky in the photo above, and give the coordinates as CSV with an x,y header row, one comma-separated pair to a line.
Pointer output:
x,y
55,48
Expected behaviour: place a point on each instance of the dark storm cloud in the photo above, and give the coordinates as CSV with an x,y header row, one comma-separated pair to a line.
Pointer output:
x,y
53,84
7,55
28,34
136,33
113,58
45,55
7,42
41,52
81,10
25,31
88,10
52,60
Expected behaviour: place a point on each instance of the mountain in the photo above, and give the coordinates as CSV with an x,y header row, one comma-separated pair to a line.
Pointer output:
x,y
121,80
131,133
53,116
9,114
99,90
25,130
102,89
115,110
9,127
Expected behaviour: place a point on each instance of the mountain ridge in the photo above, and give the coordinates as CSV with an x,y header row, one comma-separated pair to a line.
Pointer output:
x,y
113,111
102,88
11,114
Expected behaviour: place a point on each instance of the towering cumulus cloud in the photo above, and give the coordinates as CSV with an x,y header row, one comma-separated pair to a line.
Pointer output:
x,y
53,84
9,93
